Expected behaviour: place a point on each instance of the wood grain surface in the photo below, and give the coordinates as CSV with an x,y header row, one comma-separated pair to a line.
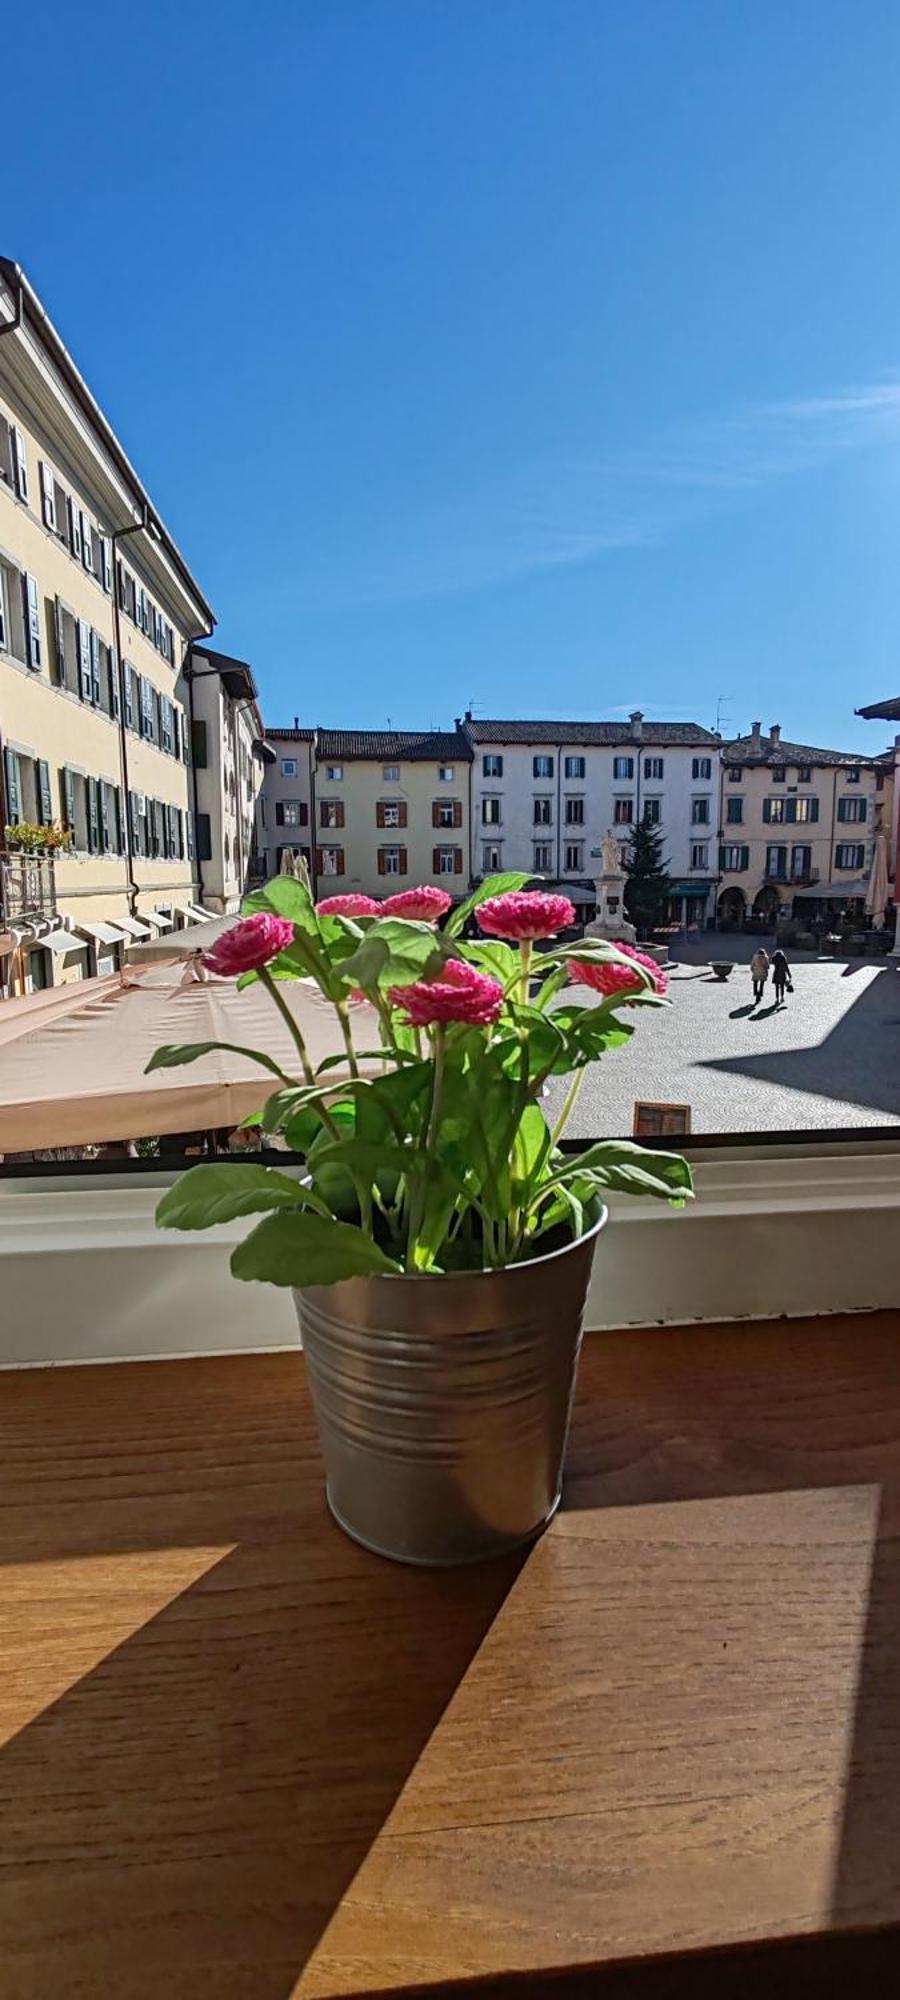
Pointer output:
x,y
240,1759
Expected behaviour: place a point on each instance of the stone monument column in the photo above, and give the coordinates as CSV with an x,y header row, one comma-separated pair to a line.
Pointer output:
x,y
611,921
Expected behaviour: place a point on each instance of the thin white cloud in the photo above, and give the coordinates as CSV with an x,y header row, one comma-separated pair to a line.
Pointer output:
x,y
580,511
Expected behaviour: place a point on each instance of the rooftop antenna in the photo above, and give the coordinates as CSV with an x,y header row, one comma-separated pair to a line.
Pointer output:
x,y
721,706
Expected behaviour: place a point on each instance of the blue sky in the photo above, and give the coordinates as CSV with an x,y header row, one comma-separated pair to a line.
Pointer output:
x,y
544,353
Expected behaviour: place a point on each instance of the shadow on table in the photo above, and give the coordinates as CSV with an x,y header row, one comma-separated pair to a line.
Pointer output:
x,y
185,1817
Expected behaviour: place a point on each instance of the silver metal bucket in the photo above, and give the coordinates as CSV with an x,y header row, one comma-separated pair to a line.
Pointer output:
x,y
443,1402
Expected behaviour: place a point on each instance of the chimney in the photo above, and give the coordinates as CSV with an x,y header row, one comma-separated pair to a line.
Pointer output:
x,y
756,736
775,735
296,721
637,724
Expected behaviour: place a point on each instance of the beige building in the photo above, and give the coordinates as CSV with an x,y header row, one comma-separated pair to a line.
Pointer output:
x,y
371,810
227,765
797,827
97,612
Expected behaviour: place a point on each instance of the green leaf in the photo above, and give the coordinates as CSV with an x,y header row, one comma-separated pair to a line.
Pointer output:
x,y
304,1249
386,1108
394,952
174,1054
493,885
284,896
206,1195
625,1168
532,1144
500,960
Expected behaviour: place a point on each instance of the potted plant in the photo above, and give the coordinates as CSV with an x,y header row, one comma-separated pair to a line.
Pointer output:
x,y
440,1243
29,838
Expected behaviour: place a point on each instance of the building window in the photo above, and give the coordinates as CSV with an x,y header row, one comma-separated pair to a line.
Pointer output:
x,y
801,863
623,767
491,858
623,812
699,855
447,812
574,767
776,863
852,810
779,774
773,810
331,812
391,774
389,861
852,776
574,812
543,857
574,857
701,768
13,627
800,811
734,860
543,812
653,768
735,773
850,856
334,773
490,812
804,777
446,773
332,860
734,811
652,812
542,767
492,765
291,812
700,810
446,858
288,767
390,813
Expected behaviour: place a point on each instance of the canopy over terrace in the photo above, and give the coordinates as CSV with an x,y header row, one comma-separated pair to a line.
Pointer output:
x,y
72,1062
199,936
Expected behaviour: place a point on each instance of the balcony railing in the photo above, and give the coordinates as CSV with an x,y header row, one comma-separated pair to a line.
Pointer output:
x,y
795,878
27,886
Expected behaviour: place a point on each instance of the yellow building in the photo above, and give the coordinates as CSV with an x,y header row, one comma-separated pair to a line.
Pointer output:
x,y
390,810
97,612
797,827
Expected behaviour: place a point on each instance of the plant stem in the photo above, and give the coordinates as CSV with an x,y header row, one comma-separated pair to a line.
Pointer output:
x,y
525,950
571,1099
294,1030
417,1202
344,1018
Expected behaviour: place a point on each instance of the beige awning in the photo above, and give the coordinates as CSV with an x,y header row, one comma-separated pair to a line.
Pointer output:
x,y
101,933
159,922
184,910
181,944
60,942
72,1059
200,916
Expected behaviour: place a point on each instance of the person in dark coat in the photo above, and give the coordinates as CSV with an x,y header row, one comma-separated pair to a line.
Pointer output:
x,y
781,976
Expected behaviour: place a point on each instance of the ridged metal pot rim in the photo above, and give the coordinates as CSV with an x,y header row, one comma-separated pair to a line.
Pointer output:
x,y
500,1271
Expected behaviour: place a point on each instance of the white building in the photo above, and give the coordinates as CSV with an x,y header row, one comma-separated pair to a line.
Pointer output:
x,y
545,793
284,810
228,759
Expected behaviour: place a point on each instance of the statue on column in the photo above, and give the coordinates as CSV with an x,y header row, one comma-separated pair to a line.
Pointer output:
x,y
611,922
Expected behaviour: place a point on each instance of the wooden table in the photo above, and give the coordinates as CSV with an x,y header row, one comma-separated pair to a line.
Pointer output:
x,y
242,1760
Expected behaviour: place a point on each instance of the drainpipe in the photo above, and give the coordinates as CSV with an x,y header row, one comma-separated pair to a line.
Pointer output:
x,y
143,526
312,752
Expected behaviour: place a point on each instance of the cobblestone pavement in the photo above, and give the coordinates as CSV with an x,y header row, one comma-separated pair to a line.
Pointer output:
x,y
829,1058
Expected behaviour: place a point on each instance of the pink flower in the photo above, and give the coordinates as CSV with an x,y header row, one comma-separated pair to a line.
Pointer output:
x,y
525,914
427,904
610,978
249,944
460,994
353,905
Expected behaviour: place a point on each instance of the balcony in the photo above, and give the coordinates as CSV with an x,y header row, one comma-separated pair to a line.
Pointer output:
x,y
27,886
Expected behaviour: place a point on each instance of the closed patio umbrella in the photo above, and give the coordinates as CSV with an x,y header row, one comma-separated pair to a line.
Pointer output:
x,y
72,1065
877,892
180,944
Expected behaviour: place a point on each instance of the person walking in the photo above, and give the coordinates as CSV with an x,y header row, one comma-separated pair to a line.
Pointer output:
x,y
759,973
781,976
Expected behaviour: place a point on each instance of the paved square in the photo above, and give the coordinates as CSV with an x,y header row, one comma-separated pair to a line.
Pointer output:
x,y
829,1058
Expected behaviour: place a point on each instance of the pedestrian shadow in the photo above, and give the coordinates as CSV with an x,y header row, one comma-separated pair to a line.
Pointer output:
x,y
856,1063
764,1012
741,1013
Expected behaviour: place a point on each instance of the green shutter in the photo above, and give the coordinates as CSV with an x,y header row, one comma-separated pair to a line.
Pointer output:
x,y
93,815
68,793
120,820
13,794
105,828
44,792
95,667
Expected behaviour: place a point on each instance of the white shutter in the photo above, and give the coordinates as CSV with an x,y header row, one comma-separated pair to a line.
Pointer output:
x,y
48,491
32,622
87,546
20,467
74,528
106,561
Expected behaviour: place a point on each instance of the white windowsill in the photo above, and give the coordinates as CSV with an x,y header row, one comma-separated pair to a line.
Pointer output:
x,y
86,1276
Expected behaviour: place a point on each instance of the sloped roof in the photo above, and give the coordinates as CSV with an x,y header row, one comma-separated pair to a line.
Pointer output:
x,y
421,746
590,734
291,735
743,750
